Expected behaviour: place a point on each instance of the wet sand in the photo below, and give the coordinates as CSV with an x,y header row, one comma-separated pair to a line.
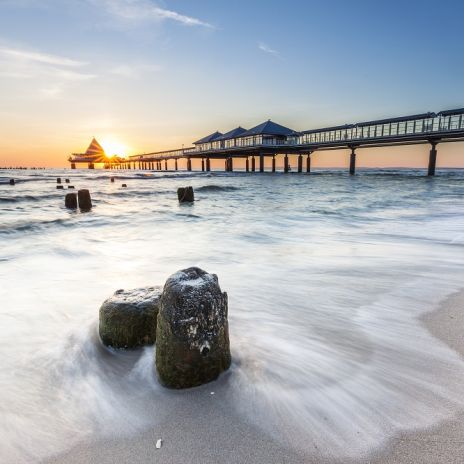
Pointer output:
x,y
210,432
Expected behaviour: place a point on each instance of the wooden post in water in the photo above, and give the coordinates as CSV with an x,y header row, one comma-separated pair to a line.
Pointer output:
x,y
253,166
300,163
261,162
432,159
273,164
352,161
286,165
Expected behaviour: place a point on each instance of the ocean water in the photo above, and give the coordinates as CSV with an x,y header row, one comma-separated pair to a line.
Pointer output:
x,y
327,275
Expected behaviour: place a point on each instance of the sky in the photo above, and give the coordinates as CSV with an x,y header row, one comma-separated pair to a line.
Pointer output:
x,y
147,75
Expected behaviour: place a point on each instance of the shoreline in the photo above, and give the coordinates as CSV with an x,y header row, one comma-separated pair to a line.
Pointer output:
x,y
212,435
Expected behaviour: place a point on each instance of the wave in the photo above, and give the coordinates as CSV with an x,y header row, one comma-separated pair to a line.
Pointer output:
x,y
216,188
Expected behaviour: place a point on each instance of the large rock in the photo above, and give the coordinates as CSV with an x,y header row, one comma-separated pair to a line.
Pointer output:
x,y
192,336
128,318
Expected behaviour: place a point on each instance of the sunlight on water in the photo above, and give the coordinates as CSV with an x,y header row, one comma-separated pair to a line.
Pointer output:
x,y
327,278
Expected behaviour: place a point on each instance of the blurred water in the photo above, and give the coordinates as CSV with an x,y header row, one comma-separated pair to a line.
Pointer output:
x,y
327,276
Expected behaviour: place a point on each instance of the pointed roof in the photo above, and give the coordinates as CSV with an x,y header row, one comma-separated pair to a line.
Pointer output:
x,y
268,128
95,148
209,138
237,132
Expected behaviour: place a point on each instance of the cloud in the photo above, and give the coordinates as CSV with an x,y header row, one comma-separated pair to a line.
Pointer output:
x,y
40,57
143,10
266,49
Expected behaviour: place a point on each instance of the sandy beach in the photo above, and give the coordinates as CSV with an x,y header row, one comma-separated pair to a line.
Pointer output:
x,y
209,431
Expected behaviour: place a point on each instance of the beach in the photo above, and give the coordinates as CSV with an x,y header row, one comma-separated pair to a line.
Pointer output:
x,y
206,433
343,312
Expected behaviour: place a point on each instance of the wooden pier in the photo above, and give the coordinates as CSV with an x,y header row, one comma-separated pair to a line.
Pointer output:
x,y
267,140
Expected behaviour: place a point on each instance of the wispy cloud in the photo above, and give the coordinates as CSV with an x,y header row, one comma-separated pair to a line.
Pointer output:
x,y
38,57
143,10
50,75
266,49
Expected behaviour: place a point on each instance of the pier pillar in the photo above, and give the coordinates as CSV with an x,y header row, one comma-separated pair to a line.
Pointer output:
x,y
202,165
247,165
189,164
253,165
286,165
91,166
175,164
432,159
208,165
165,165
273,164
226,165
261,162
73,165
231,164
308,163
300,163
353,161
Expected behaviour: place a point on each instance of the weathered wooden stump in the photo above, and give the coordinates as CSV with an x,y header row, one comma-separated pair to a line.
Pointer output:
x,y
70,201
128,318
85,201
70,186
58,180
124,185
59,187
12,182
185,194
112,179
192,336
67,181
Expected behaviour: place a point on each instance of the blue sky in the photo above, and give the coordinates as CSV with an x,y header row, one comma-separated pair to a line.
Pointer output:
x,y
154,75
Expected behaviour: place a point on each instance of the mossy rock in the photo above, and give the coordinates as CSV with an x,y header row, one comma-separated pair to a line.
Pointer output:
x,y
192,335
128,318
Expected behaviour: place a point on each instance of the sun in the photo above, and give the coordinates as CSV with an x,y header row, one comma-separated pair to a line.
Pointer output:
x,y
113,147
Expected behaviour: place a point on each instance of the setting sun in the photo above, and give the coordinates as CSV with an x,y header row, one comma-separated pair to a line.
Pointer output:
x,y
113,147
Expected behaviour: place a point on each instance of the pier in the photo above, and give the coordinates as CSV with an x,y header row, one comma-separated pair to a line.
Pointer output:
x,y
269,139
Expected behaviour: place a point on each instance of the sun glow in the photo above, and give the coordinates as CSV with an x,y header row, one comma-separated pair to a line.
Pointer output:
x,y
113,147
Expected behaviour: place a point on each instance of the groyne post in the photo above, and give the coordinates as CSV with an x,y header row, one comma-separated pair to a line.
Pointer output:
x,y
432,159
353,161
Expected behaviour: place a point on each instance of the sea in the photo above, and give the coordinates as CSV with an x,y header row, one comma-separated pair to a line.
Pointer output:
x,y
328,275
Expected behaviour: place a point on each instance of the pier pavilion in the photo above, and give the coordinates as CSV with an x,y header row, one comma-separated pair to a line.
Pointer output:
x,y
269,139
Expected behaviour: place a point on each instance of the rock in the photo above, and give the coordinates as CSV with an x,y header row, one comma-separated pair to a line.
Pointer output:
x,y
85,201
185,194
70,201
192,337
59,187
128,318
12,182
